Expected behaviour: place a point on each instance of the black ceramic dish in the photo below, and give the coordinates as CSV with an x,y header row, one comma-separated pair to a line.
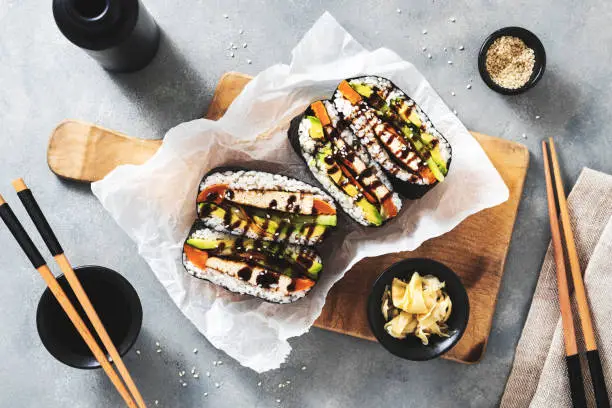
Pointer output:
x,y
531,41
115,301
411,348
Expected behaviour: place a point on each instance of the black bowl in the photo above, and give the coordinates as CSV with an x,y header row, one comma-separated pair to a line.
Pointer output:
x,y
115,301
411,348
531,41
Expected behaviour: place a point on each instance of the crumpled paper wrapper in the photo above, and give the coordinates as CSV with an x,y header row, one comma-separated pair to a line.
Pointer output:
x,y
155,202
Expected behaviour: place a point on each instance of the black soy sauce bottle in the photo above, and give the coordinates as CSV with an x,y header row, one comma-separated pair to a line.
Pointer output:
x,y
120,34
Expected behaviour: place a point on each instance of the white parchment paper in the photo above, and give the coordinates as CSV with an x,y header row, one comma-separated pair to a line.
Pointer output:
x,y
155,202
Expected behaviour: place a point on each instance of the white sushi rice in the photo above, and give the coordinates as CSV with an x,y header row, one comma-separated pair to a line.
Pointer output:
x,y
237,285
308,150
259,180
391,92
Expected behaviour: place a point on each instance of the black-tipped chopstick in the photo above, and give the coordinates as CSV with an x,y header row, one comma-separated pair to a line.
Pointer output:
x,y
43,227
28,247
557,205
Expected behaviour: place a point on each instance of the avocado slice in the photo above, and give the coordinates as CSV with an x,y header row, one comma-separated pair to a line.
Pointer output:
x,y
329,220
362,89
371,212
316,128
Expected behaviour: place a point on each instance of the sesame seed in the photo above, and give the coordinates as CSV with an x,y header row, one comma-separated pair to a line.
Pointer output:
x,y
424,31
234,47
244,45
232,54
206,394
288,382
461,48
219,362
217,385
249,62
196,375
158,350
537,116
450,62
453,93
454,111
429,56
469,86
524,136
259,384
280,385
193,370
157,343
225,16
208,373
156,402
215,363
241,31
399,11
303,368
278,400
424,48
138,352
445,49
195,351
452,19
184,384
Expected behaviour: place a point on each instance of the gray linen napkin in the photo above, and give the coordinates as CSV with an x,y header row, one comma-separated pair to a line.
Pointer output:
x,y
539,377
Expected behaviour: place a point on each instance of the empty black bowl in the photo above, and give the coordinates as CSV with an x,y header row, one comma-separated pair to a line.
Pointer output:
x,y
411,348
115,301
531,41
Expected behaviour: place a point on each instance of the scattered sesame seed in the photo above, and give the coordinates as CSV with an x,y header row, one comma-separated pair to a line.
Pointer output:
x,y
424,31
278,400
206,394
241,31
215,363
157,343
259,384
217,385
524,136
450,62
424,48
244,45
225,16
454,111
537,116
452,19
461,48
234,47
469,86
219,362
399,11
288,382
138,352
193,370
195,351
156,402
429,56
445,49
303,368
158,350
453,93
184,384
280,385
196,375
232,54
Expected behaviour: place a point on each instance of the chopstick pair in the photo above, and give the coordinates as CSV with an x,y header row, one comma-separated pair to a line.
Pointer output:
x,y
562,231
133,400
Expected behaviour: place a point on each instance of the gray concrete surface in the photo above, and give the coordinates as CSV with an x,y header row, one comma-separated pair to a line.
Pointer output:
x,y
44,79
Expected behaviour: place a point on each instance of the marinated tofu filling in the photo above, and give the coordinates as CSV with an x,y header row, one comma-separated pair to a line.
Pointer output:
x,y
267,214
386,119
347,170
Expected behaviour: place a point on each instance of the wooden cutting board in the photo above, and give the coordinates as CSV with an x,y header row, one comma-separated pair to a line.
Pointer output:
x,y
476,249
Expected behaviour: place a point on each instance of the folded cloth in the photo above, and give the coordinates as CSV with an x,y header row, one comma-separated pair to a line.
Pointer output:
x,y
539,375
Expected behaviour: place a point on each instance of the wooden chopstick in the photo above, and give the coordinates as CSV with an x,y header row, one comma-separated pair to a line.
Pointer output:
x,y
40,221
599,385
572,358
26,244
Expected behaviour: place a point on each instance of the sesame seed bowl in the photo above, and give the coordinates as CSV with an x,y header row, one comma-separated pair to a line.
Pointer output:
x,y
497,73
